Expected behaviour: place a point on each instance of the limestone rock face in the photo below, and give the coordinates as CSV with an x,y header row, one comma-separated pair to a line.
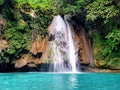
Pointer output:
x,y
39,46
27,60
20,63
3,44
83,43
2,24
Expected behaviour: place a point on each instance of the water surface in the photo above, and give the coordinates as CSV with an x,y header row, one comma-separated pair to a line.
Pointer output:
x,y
59,81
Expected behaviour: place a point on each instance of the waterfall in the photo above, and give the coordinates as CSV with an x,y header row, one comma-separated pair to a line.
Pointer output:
x,y
62,54
72,55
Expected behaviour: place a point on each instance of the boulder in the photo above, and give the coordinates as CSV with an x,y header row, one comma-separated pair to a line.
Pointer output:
x,y
20,63
27,60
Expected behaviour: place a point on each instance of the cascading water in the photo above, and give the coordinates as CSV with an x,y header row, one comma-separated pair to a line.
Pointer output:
x,y
62,50
72,55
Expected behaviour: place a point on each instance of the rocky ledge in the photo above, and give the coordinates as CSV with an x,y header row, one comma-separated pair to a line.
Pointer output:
x,y
95,69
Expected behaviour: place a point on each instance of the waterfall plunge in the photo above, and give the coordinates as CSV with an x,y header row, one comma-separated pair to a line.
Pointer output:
x,y
62,49
71,53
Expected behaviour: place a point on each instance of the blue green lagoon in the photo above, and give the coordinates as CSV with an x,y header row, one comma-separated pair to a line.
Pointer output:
x,y
59,81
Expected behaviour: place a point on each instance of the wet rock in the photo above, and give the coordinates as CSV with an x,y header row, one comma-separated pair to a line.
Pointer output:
x,y
27,60
39,46
20,63
43,67
83,43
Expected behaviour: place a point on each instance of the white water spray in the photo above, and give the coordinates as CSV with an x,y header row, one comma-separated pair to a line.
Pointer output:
x,y
72,55
62,50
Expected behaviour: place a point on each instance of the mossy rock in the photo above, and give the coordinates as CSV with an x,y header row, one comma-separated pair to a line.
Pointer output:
x,y
21,24
114,63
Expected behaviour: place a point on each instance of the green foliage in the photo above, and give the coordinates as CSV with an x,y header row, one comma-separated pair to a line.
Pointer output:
x,y
18,37
107,52
2,2
44,4
74,7
101,9
4,57
67,6
41,22
113,41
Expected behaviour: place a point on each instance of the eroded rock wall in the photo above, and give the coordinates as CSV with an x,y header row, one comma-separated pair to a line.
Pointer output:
x,y
3,43
84,45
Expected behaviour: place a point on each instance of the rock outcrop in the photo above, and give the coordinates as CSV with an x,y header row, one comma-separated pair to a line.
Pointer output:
x,y
84,45
34,57
3,43
2,24
39,46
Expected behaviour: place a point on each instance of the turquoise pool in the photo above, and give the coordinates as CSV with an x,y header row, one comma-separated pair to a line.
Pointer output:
x,y
59,81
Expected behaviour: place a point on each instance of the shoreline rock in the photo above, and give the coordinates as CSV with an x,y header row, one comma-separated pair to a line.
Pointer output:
x,y
102,70
43,67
